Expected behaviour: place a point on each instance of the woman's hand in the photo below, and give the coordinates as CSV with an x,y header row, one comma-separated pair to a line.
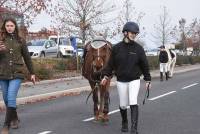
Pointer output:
x,y
148,85
33,79
2,46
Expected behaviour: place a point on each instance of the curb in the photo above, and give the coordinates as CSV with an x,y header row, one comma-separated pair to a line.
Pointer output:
x,y
52,81
50,96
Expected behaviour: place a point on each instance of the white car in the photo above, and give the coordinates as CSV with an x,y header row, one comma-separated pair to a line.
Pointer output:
x,y
153,52
64,46
42,48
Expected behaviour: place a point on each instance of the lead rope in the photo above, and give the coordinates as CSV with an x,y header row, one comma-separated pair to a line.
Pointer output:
x,y
146,94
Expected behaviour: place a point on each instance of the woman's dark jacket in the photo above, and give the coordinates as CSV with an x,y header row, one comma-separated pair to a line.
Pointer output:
x,y
12,61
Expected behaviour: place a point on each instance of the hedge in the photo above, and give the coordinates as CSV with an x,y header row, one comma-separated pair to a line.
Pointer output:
x,y
51,68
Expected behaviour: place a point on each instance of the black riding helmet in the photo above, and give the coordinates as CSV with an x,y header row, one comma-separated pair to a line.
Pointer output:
x,y
162,47
131,27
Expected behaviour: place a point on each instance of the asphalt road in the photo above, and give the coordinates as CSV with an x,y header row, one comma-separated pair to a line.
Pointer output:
x,y
173,108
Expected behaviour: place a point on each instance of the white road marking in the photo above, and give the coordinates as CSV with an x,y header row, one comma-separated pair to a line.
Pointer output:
x,y
160,96
45,132
89,119
190,86
92,118
112,112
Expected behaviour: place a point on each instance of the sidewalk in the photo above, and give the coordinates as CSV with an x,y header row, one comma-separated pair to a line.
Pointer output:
x,y
51,89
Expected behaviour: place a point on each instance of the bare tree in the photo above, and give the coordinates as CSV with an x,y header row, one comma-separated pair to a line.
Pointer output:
x,y
182,28
163,29
2,2
194,34
81,17
29,8
183,31
127,13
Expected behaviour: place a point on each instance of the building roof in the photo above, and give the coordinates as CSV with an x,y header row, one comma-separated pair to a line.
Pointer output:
x,y
6,10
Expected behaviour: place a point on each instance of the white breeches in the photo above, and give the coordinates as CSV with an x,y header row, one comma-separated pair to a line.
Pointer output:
x,y
128,92
164,67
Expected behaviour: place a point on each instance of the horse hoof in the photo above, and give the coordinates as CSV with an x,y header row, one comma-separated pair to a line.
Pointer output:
x,y
96,118
105,118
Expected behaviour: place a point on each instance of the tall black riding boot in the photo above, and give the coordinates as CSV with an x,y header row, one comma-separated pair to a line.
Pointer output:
x,y
161,76
8,119
134,119
166,74
124,120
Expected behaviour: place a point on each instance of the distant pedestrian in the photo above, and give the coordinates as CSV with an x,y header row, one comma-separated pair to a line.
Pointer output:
x,y
163,59
13,51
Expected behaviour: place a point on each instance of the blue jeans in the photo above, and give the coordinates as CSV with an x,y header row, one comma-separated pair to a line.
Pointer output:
x,y
10,89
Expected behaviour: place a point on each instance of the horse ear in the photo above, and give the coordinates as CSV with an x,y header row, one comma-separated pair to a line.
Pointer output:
x,y
105,46
109,45
88,46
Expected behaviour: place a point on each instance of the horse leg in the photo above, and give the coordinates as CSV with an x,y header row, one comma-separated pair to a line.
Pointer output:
x,y
95,100
106,102
101,108
106,106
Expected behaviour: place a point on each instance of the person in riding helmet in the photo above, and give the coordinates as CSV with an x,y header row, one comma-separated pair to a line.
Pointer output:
x,y
163,59
128,61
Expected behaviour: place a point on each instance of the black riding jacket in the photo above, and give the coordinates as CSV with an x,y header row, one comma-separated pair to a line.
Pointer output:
x,y
128,61
163,57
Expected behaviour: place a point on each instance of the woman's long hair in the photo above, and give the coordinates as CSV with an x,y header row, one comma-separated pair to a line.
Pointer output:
x,y
4,33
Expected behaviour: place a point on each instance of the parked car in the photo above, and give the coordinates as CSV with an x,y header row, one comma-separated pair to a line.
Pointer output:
x,y
153,52
64,46
42,48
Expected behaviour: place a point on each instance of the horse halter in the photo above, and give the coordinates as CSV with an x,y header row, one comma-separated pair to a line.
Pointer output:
x,y
98,62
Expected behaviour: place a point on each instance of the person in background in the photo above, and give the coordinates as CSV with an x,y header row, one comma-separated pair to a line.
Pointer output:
x,y
13,51
163,59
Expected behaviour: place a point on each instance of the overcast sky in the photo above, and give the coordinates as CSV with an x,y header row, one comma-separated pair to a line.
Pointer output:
x,y
188,9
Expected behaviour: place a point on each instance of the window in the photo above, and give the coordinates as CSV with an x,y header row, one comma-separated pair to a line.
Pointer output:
x,y
53,44
36,43
47,44
54,39
64,41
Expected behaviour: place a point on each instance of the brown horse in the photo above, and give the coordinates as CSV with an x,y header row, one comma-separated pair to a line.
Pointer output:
x,y
96,58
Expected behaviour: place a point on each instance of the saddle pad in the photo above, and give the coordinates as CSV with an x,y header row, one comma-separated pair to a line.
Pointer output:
x,y
96,44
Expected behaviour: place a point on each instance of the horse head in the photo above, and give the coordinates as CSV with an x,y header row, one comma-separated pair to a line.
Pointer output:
x,y
99,58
